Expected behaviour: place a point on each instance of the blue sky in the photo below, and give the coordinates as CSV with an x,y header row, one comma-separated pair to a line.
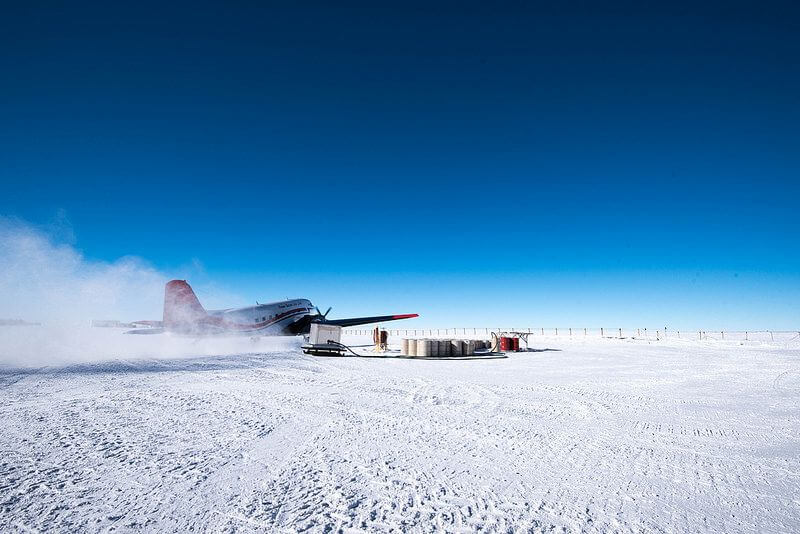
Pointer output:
x,y
515,164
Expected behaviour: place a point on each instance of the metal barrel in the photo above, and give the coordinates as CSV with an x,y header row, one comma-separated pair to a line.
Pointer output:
x,y
470,347
423,347
412,347
456,347
405,346
434,347
444,347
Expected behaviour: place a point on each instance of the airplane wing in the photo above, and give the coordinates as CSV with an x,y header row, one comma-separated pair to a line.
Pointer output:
x,y
367,320
304,324
146,331
147,327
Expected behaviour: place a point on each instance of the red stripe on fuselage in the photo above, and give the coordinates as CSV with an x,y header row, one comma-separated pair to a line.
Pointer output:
x,y
227,325
278,317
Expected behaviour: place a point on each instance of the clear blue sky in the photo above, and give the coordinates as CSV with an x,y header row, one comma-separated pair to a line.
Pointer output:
x,y
567,164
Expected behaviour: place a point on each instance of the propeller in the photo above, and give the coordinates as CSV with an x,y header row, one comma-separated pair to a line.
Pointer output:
x,y
321,315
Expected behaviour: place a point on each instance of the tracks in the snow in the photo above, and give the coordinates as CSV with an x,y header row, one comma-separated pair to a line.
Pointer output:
x,y
576,440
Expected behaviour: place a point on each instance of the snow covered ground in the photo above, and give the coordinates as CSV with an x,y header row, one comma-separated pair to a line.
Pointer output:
x,y
582,434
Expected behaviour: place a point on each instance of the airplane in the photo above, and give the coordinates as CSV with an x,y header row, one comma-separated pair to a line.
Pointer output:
x,y
183,314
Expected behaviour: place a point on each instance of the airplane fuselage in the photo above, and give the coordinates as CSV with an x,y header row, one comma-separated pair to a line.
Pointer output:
x,y
271,319
184,315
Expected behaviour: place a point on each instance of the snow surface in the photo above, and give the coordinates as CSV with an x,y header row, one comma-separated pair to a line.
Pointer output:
x,y
583,434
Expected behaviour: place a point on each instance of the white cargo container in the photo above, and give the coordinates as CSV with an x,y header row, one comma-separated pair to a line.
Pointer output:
x,y
322,334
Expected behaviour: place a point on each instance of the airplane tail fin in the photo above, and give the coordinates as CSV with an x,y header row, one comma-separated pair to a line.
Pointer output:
x,y
181,307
